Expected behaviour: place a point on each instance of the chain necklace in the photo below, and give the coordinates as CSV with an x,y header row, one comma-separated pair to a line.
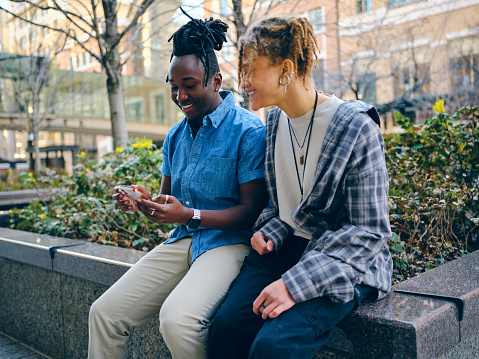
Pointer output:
x,y
302,159
193,126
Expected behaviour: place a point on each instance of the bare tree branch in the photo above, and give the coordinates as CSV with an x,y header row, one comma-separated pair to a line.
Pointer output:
x,y
143,7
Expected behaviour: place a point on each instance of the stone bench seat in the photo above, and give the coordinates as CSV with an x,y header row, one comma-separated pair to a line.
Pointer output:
x,y
47,285
21,198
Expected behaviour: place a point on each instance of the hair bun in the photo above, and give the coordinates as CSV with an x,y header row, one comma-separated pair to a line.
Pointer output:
x,y
218,31
203,35
200,37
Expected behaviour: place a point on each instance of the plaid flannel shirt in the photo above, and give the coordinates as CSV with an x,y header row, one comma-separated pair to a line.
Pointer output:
x,y
346,210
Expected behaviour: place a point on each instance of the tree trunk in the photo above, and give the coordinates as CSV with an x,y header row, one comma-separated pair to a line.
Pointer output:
x,y
35,118
38,162
240,30
112,65
117,111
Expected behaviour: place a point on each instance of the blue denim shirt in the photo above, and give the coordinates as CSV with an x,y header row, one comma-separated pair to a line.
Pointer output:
x,y
206,171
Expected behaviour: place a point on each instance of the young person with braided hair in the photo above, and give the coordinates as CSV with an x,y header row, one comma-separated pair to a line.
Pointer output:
x,y
213,186
320,247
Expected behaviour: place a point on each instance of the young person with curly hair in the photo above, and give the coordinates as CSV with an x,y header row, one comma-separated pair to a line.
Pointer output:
x,y
320,247
213,186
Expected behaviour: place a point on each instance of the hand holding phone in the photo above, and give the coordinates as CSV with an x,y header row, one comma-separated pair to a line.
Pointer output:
x,y
131,192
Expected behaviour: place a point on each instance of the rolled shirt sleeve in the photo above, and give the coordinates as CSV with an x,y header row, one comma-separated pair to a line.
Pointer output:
x,y
165,165
251,155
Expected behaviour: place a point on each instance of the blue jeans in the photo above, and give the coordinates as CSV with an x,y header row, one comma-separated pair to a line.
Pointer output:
x,y
236,332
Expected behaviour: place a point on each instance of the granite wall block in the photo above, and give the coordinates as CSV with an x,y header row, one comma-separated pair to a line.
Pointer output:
x,y
31,308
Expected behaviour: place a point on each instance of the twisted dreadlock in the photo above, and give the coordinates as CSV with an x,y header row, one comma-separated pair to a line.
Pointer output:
x,y
200,38
280,38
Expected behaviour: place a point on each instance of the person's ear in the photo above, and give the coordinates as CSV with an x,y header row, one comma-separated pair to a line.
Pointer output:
x,y
217,81
287,67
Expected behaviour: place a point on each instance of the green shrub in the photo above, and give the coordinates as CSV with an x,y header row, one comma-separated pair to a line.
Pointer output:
x,y
86,210
16,180
434,172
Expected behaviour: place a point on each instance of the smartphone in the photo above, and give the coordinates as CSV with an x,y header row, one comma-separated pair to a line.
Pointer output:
x,y
132,193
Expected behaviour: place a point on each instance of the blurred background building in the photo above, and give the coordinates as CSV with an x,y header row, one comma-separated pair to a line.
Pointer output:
x,y
396,54
403,55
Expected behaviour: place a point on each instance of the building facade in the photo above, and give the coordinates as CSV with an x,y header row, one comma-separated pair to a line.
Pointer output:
x,y
402,55
323,14
396,54
80,113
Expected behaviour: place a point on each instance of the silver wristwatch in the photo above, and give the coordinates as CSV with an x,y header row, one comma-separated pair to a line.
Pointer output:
x,y
195,221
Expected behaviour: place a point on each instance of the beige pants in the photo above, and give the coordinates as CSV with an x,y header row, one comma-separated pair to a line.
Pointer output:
x,y
186,298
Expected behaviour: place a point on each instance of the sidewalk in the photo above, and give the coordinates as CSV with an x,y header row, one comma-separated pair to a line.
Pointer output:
x,y
12,349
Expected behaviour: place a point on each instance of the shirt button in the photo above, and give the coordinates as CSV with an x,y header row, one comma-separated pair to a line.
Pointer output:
x,y
187,202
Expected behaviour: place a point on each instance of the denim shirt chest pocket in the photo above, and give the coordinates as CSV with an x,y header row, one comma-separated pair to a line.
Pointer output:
x,y
219,177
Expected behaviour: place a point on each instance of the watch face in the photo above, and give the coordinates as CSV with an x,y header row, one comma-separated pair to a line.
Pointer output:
x,y
194,223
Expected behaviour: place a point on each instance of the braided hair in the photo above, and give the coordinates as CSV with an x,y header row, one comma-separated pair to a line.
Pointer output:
x,y
280,38
200,37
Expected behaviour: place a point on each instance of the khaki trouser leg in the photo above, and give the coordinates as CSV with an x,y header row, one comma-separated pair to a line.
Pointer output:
x,y
191,306
139,294
135,299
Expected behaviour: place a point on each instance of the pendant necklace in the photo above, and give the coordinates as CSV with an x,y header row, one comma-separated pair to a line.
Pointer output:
x,y
303,157
194,130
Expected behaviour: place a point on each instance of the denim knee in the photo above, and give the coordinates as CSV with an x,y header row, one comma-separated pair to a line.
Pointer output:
x,y
265,347
221,328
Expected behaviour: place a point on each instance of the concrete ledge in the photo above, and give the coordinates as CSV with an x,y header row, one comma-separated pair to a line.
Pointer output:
x,y
10,199
411,326
47,286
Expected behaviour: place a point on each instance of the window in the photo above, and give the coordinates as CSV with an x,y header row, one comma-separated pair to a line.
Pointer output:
x,y
317,19
23,43
412,80
34,36
401,82
228,49
318,76
394,2
423,79
134,111
364,6
465,72
367,88
160,113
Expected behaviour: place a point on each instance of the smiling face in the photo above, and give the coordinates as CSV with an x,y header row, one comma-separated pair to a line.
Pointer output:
x,y
186,77
261,82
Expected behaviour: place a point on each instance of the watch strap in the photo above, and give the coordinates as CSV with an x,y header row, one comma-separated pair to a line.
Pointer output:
x,y
195,221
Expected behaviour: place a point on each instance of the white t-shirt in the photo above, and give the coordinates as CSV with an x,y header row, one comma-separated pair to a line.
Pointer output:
x,y
289,194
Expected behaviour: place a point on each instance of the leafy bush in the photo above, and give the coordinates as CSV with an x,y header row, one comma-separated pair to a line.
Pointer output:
x,y
16,181
434,184
86,210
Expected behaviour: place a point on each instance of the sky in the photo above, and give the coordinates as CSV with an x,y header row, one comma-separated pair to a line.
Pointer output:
x,y
5,4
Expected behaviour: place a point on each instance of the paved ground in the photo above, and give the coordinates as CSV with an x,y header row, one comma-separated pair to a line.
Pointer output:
x,y
12,349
